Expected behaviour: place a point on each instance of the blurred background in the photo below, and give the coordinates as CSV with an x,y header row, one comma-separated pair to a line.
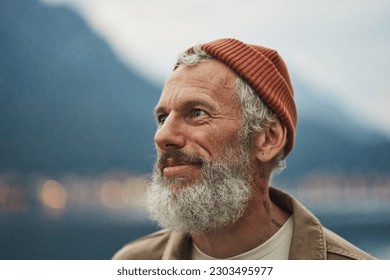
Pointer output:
x,y
79,81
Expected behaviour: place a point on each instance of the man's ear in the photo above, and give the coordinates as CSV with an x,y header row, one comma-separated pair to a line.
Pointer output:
x,y
270,142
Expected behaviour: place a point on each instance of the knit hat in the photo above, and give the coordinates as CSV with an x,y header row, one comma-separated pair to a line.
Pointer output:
x,y
265,71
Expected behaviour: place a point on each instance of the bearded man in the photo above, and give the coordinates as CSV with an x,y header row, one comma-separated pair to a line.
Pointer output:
x,y
226,121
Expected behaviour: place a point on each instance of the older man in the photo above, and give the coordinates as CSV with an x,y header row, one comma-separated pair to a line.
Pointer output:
x,y
226,120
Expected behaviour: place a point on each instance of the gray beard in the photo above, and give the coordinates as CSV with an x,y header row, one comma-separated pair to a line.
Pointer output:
x,y
217,200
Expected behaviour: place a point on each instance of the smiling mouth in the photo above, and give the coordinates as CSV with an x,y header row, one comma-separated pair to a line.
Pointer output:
x,y
179,169
179,164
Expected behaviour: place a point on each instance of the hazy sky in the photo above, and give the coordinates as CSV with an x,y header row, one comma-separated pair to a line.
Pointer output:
x,y
339,46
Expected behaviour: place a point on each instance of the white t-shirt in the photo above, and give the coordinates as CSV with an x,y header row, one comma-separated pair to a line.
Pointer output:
x,y
275,248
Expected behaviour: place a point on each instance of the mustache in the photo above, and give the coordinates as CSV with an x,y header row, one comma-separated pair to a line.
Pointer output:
x,y
178,157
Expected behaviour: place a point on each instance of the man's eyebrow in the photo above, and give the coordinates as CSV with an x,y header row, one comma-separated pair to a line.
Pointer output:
x,y
158,110
199,102
191,103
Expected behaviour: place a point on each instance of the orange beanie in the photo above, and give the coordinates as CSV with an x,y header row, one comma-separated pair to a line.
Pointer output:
x,y
265,71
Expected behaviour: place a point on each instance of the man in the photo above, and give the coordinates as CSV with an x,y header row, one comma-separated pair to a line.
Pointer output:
x,y
226,120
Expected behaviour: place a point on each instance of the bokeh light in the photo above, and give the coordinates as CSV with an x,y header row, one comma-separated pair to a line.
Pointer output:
x,y
53,195
111,194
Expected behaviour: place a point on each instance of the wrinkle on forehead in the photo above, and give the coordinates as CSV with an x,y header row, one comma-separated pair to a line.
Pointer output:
x,y
216,73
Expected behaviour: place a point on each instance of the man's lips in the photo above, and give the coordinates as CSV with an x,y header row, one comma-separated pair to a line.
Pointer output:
x,y
180,164
179,169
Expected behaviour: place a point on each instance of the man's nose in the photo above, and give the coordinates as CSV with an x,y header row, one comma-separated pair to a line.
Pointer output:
x,y
169,135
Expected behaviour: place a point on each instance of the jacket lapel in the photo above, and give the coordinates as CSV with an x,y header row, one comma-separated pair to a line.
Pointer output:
x,y
178,247
308,240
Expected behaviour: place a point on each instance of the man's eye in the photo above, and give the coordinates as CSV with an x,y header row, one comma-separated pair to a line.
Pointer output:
x,y
161,118
198,113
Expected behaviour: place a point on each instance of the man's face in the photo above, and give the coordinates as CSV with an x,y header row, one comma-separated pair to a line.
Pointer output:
x,y
202,178
196,114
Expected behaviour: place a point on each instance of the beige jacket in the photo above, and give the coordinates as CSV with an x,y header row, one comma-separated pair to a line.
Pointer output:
x,y
310,240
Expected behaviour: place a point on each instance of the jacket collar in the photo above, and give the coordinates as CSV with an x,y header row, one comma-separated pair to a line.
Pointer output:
x,y
308,240
178,247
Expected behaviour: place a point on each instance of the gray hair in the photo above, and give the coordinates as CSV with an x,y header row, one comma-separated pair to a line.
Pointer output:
x,y
256,114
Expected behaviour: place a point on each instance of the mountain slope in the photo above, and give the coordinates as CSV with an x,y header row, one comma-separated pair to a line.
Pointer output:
x,y
67,103
330,140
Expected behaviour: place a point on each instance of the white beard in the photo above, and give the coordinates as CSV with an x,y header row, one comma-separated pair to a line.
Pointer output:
x,y
218,200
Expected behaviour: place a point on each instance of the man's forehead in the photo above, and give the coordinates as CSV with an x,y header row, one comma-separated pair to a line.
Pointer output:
x,y
209,82
213,72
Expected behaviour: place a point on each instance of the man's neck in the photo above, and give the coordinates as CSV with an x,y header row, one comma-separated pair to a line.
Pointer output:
x,y
261,221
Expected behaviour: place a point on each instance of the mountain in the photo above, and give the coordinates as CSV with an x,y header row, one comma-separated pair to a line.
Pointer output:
x,y
67,104
330,140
